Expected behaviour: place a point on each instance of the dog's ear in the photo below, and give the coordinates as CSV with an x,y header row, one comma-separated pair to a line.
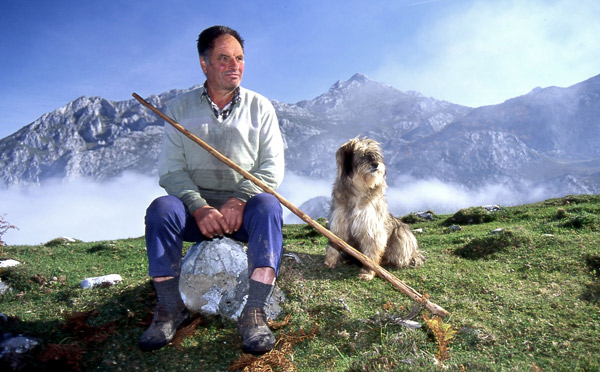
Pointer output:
x,y
345,161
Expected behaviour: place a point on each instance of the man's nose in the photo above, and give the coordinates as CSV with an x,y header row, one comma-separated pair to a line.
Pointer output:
x,y
235,63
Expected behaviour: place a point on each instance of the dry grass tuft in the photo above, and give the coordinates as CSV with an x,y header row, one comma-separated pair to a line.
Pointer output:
x,y
281,357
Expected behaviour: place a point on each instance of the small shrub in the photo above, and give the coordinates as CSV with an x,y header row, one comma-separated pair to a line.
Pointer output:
x,y
489,245
582,221
419,217
470,216
593,263
411,218
561,213
57,242
572,200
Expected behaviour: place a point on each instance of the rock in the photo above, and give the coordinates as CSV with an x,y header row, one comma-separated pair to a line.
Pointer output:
x,y
293,257
427,215
214,279
409,324
3,287
496,231
7,264
419,230
492,208
314,208
16,351
105,280
453,228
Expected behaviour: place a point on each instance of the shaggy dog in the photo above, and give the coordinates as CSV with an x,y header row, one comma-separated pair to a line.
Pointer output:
x,y
359,211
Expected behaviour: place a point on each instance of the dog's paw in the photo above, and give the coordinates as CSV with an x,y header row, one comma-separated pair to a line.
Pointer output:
x,y
366,274
332,258
330,263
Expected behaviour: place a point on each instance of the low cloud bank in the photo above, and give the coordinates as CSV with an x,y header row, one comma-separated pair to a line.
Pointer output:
x,y
92,211
298,189
81,209
411,195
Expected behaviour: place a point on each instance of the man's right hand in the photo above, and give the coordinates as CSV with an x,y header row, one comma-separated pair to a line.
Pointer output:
x,y
211,222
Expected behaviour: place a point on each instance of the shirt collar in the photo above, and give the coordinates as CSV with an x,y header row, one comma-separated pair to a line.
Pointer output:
x,y
226,111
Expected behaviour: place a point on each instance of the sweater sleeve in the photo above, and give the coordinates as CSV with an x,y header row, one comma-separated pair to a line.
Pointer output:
x,y
173,172
270,166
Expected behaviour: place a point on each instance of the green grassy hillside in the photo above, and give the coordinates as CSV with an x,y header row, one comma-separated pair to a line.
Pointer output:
x,y
522,286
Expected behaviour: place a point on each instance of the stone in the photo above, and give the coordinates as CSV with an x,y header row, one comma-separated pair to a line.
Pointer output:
x,y
409,324
4,287
214,279
105,280
7,264
16,351
314,208
492,208
453,228
427,215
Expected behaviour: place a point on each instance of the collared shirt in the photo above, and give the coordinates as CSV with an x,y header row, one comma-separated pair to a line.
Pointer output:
x,y
223,114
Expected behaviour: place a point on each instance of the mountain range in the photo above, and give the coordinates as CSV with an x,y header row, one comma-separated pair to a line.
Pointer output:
x,y
547,137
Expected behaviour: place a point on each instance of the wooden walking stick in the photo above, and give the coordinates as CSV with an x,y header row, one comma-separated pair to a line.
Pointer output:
x,y
366,261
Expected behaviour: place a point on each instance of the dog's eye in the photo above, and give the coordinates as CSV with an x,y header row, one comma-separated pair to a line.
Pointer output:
x,y
370,158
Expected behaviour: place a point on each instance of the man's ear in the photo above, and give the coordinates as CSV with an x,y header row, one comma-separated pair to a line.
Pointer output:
x,y
203,64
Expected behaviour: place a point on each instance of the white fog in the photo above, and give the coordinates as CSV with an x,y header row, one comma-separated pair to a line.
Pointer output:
x,y
92,211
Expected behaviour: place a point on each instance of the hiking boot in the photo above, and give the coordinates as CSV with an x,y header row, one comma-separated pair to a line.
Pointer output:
x,y
257,338
163,328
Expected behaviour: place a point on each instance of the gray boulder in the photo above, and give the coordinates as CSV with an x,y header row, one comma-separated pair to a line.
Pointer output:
x,y
214,279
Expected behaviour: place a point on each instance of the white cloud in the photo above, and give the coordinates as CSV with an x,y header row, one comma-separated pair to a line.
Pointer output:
x,y
407,195
92,211
80,209
298,189
492,51
412,195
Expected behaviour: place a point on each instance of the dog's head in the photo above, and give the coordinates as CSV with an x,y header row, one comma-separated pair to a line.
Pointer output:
x,y
360,162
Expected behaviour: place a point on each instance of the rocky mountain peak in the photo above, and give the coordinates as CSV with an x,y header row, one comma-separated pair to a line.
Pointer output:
x,y
356,81
547,137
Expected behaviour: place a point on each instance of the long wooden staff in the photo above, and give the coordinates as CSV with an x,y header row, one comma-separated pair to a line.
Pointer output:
x,y
366,261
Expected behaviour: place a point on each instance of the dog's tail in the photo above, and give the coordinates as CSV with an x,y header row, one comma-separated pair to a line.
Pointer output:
x,y
402,249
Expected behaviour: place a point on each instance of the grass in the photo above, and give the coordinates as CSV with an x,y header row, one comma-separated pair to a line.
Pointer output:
x,y
522,286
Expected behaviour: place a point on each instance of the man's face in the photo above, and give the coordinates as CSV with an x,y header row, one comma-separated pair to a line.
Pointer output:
x,y
226,67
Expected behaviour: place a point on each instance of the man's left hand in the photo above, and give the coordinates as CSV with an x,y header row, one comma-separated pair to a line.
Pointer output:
x,y
233,211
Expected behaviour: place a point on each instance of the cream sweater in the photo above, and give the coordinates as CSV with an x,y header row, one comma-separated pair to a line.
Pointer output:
x,y
250,137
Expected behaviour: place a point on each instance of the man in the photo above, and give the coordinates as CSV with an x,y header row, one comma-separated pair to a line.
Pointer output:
x,y
207,199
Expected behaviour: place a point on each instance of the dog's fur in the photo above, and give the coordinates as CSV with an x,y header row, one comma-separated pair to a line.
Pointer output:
x,y
359,211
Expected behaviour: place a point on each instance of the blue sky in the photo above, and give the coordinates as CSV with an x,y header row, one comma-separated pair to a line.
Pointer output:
x,y
468,52
464,51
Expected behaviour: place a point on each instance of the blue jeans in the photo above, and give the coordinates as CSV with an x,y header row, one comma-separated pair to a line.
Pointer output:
x,y
169,224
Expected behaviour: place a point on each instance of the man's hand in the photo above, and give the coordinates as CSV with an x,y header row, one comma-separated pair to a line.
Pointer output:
x,y
210,222
233,212
213,222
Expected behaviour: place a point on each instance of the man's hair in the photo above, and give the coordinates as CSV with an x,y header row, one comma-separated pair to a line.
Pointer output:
x,y
206,39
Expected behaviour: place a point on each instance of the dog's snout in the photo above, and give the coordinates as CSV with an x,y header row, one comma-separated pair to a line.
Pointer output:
x,y
372,161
